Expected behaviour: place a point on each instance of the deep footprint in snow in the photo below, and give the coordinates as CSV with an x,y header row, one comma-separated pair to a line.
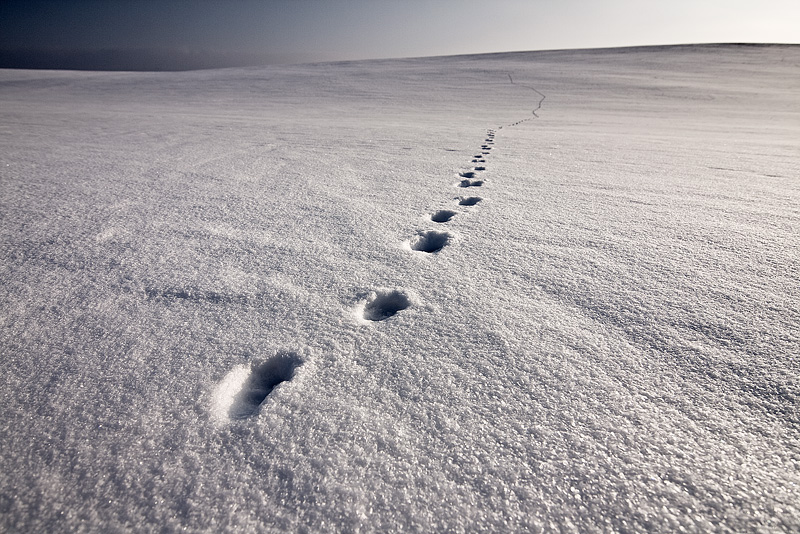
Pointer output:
x,y
469,201
470,183
384,304
263,378
442,216
430,241
480,168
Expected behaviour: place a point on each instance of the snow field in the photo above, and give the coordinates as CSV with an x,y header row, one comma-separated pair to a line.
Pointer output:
x,y
260,300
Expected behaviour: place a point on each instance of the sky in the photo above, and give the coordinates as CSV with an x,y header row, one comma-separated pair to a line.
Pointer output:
x,y
184,34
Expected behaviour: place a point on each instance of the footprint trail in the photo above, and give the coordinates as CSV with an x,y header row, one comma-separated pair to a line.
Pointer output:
x,y
245,389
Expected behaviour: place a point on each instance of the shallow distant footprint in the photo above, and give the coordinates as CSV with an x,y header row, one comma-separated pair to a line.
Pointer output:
x,y
442,216
383,304
469,201
430,241
470,183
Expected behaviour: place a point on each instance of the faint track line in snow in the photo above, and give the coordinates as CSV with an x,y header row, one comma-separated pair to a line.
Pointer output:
x,y
535,90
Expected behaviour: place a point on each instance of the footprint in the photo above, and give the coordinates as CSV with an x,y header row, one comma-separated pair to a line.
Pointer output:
x,y
383,304
469,201
470,183
468,174
430,241
480,168
442,216
255,386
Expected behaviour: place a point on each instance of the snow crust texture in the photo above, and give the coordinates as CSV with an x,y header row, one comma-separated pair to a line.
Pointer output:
x,y
404,296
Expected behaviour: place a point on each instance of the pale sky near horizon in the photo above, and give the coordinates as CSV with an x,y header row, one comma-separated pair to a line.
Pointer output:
x,y
279,31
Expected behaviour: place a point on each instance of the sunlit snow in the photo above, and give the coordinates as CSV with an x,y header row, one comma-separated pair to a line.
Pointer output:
x,y
551,291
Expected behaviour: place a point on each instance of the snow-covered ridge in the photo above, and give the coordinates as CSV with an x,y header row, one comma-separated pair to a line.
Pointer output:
x,y
340,297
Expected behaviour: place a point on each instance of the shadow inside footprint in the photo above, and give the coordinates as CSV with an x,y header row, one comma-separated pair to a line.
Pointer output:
x,y
430,241
263,378
442,216
384,304
470,183
468,174
480,168
469,201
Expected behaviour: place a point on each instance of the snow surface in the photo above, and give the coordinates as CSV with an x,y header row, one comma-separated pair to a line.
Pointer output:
x,y
224,310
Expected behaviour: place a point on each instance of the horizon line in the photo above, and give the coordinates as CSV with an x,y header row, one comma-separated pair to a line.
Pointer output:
x,y
162,60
